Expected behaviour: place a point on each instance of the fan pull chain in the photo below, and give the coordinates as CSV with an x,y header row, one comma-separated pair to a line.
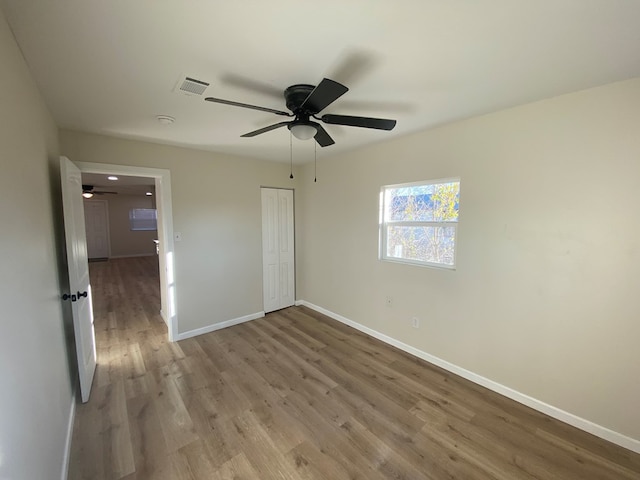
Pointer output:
x,y
315,162
291,153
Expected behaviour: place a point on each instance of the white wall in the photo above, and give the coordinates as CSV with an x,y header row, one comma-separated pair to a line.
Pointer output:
x,y
545,297
35,390
216,208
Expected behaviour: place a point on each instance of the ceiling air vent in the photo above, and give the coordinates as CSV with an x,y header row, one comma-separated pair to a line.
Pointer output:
x,y
191,86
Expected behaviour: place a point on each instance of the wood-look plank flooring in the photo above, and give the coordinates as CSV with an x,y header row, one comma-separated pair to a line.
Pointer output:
x,y
296,395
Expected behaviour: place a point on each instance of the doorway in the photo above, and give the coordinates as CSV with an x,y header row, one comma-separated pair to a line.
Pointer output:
x,y
162,183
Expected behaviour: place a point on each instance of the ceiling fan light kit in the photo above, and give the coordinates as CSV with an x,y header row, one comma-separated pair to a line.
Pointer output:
x,y
305,102
303,131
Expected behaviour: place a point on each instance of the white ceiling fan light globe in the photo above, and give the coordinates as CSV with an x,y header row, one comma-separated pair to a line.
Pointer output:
x,y
303,132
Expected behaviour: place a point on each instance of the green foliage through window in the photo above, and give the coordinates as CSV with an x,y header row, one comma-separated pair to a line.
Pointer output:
x,y
419,222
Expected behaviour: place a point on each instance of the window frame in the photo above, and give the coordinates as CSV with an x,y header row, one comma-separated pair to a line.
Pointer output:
x,y
383,230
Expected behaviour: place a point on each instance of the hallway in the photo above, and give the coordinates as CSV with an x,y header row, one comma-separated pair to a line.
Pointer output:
x,y
128,328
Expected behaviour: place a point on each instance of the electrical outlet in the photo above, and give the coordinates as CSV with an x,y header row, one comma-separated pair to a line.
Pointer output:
x,y
389,301
415,322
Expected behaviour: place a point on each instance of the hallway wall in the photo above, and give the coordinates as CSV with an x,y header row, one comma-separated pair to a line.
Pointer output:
x,y
36,395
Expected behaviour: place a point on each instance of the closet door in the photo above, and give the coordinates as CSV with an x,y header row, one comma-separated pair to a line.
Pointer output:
x,y
96,220
278,254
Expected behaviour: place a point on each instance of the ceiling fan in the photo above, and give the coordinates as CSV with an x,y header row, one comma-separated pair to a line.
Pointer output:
x,y
88,191
305,102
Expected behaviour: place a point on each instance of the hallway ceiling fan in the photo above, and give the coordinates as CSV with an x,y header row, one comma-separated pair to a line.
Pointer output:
x,y
88,191
305,102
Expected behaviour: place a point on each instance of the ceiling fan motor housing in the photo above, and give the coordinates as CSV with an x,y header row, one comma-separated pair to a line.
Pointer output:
x,y
295,95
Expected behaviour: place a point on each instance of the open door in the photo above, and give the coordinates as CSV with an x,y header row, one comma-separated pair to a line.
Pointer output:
x,y
78,265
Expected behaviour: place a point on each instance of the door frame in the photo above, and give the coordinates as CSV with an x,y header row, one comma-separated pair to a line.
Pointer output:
x,y
106,209
166,256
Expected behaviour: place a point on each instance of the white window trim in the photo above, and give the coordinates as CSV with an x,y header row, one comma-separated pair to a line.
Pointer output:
x,y
382,247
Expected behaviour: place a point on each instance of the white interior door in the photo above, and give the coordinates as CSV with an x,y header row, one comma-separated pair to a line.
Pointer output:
x,y
96,219
80,295
278,249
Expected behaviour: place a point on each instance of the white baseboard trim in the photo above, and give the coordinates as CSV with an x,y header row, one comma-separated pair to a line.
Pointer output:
x,y
566,417
67,444
219,326
133,256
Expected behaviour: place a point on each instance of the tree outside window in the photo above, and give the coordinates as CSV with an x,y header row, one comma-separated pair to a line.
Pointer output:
x,y
419,222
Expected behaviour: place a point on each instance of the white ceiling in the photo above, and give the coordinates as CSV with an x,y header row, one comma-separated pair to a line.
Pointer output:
x,y
110,67
125,185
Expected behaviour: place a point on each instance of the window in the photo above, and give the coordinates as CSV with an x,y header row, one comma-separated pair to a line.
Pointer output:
x,y
419,222
143,219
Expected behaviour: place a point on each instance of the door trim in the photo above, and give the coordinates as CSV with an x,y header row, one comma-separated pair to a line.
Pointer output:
x,y
162,177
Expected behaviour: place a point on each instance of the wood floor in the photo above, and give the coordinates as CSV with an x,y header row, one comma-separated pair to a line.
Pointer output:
x,y
296,395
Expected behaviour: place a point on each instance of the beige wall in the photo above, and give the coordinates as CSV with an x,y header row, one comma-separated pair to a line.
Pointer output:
x,y
125,242
216,208
35,390
545,297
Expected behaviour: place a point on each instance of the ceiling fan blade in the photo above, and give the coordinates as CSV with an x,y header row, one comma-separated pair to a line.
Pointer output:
x,y
251,84
327,92
265,129
322,137
365,122
352,65
246,105
104,193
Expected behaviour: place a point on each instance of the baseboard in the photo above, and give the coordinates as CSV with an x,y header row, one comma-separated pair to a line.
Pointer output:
x,y
67,444
218,326
133,256
566,417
